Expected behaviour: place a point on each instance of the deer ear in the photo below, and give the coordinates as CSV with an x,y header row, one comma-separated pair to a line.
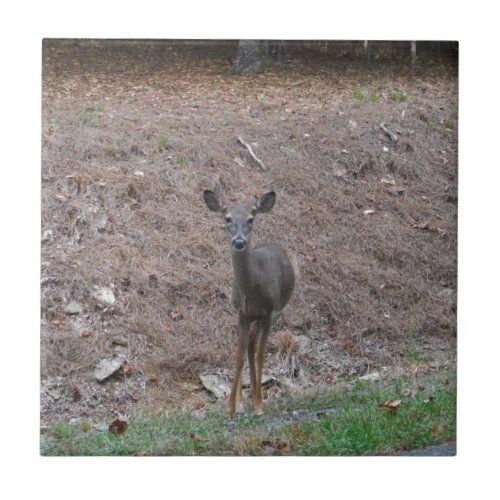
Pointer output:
x,y
265,203
214,201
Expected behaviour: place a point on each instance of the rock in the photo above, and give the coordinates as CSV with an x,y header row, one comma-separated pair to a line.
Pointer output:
x,y
73,307
107,366
48,234
54,393
100,223
104,295
304,343
373,376
447,293
119,344
220,388
217,386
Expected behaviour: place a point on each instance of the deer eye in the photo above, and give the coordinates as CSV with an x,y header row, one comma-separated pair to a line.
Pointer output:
x,y
250,220
228,219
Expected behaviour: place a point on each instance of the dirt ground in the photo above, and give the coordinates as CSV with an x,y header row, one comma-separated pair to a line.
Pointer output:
x,y
133,133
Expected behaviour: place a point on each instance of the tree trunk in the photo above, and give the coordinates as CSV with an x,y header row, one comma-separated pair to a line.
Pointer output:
x,y
413,55
251,56
278,50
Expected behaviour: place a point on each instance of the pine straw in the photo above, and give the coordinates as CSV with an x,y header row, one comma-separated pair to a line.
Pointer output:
x,y
125,210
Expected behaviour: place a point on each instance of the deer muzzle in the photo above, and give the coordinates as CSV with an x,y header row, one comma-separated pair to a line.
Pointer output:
x,y
239,242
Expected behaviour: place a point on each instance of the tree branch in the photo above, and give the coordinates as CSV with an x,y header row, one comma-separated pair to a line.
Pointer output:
x,y
252,154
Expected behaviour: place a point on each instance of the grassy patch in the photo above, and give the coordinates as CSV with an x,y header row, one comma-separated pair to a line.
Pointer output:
x,y
163,142
429,128
373,430
369,418
398,96
357,94
361,95
90,115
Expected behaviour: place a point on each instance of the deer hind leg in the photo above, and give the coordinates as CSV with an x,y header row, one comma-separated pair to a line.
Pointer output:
x,y
255,328
261,351
235,402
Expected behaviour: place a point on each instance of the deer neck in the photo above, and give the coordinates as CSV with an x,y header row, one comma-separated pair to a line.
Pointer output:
x,y
243,264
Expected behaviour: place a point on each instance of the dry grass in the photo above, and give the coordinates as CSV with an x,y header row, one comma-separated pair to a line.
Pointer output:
x,y
128,149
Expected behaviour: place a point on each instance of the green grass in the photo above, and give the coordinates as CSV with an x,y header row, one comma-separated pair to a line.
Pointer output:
x,y
418,422
425,416
163,142
398,96
370,95
358,95
180,161
90,115
429,128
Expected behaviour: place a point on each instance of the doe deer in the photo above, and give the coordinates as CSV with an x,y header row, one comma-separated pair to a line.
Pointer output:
x,y
263,284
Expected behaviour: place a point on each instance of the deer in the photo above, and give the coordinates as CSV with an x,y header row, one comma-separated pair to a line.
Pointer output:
x,y
263,283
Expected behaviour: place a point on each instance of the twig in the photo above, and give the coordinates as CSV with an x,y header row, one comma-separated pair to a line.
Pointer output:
x,y
392,136
252,154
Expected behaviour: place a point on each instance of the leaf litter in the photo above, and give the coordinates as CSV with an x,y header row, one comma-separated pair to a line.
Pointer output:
x,y
131,135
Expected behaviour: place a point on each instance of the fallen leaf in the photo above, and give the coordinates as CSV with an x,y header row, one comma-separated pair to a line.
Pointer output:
x,y
118,427
282,447
75,393
430,227
421,225
311,259
388,181
125,368
141,453
133,396
175,315
397,190
391,405
197,437
57,322
368,212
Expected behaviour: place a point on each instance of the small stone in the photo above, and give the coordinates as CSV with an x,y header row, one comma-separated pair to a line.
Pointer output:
x,y
54,393
371,376
213,383
73,307
104,295
107,366
304,343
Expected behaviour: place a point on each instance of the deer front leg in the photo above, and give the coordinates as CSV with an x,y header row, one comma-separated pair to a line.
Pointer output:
x,y
257,401
252,343
236,398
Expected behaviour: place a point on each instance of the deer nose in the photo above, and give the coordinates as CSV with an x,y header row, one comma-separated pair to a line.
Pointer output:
x,y
239,242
